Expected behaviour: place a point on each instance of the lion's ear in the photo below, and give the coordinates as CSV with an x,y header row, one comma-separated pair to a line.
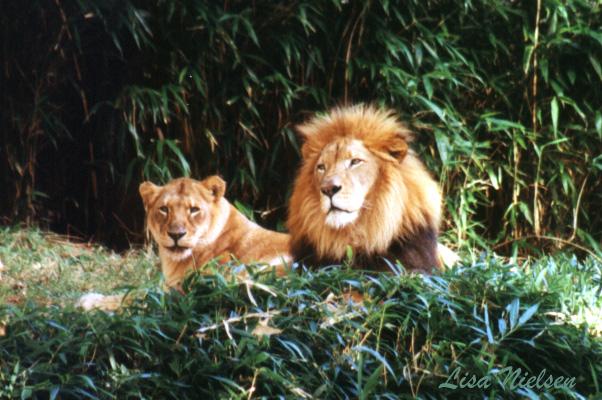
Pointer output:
x,y
305,131
216,185
148,191
397,148
393,149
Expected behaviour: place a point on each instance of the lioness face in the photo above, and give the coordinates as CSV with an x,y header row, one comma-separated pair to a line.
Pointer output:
x,y
181,213
344,173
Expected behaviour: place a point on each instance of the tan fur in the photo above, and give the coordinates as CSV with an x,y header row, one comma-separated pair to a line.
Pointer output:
x,y
400,197
216,231
91,301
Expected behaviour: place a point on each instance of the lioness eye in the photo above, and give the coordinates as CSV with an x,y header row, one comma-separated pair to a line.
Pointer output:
x,y
194,210
163,209
321,168
355,161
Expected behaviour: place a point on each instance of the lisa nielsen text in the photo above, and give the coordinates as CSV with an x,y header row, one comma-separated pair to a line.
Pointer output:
x,y
510,377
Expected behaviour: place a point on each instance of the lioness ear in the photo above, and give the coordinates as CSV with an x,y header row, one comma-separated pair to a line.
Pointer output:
x,y
147,192
216,185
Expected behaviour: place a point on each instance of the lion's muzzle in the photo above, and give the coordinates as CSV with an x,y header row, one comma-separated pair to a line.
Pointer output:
x,y
331,186
176,235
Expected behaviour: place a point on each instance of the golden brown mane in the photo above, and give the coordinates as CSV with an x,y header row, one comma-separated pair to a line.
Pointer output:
x,y
401,212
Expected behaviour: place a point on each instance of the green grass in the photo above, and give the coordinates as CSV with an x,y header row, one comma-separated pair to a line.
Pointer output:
x,y
296,336
49,269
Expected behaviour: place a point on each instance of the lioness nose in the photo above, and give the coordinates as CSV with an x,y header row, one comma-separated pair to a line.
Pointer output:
x,y
330,188
177,234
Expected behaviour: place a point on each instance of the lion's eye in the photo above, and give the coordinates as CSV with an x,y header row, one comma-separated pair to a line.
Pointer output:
x,y
321,168
163,209
194,210
355,161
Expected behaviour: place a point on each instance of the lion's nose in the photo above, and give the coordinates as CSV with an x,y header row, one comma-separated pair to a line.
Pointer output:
x,y
176,235
330,189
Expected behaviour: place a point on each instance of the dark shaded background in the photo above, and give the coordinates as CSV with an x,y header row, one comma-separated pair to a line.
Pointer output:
x,y
99,96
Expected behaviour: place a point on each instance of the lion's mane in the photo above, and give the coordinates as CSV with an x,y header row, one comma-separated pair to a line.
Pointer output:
x,y
402,210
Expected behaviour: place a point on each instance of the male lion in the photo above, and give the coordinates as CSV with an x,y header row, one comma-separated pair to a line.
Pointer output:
x,y
360,186
193,223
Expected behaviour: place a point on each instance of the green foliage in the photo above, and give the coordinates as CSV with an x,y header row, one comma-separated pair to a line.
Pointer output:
x,y
45,269
502,94
299,337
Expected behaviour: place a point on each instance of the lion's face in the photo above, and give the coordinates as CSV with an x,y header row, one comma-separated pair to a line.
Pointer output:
x,y
344,175
180,214
360,186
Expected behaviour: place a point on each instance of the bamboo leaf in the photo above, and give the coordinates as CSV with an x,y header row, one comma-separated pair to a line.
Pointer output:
x,y
554,112
527,314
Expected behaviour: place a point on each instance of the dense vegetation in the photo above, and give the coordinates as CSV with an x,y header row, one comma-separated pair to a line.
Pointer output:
x,y
97,96
297,337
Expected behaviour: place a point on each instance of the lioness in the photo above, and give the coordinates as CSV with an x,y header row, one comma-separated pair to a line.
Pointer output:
x,y
361,186
193,223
